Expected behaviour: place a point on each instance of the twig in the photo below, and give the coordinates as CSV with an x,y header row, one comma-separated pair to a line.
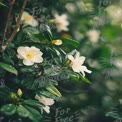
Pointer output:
x,y
6,25
17,25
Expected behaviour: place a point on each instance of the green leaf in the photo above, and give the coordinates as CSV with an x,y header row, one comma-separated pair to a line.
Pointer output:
x,y
48,94
30,30
84,79
35,116
68,41
33,103
40,36
21,37
34,39
52,71
8,109
29,83
8,68
46,31
22,111
52,89
29,112
1,4
74,77
7,59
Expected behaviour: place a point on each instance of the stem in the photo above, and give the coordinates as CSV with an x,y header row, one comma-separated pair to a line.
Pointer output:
x,y
6,25
17,25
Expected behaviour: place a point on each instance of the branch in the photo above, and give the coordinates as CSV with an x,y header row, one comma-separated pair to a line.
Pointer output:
x,y
17,25
6,25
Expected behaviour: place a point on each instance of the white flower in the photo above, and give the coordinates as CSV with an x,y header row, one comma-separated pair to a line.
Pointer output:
x,y
46,101
76,64
93,35
30,55
57,42
61,22
27,19
115,13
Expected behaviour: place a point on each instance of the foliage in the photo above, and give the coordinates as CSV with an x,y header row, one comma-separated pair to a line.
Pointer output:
x,y
96,25
32,63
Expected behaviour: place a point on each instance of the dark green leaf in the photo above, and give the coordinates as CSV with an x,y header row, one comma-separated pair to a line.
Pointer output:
x,y
7,59
48,94
34,115
84,79
52,89
46,31
30,30
8,109
68,41
52,71
29,83
34,39
28,112
22,111
8,68
33,103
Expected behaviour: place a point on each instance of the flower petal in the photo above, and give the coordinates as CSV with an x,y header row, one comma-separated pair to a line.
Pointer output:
x,y
70,57
37,59
84,69
77,55
49,101
47,109
24,14
33,23
22,51
81,60
61,22
76,68
27,62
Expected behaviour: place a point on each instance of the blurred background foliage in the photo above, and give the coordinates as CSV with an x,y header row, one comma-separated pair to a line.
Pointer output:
x,y
101,100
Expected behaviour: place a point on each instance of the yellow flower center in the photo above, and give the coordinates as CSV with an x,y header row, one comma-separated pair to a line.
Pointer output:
x,y
29,55
28,18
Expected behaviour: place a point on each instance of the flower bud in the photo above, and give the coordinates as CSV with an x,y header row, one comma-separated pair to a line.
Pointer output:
x,y
19,92
57,42
13,96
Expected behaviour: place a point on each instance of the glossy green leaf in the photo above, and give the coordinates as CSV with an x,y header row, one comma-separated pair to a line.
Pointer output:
x,y
48,94
33,103
8,68
29,112
84,79
29,83
68,41
35,115
8,109
52,89
7,59
34,39
74,77
30,30
52,71
46,31
22,111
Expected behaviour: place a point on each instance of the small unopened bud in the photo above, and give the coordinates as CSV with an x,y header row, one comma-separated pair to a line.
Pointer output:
x,y
57,42
13,96
19,92
68,62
